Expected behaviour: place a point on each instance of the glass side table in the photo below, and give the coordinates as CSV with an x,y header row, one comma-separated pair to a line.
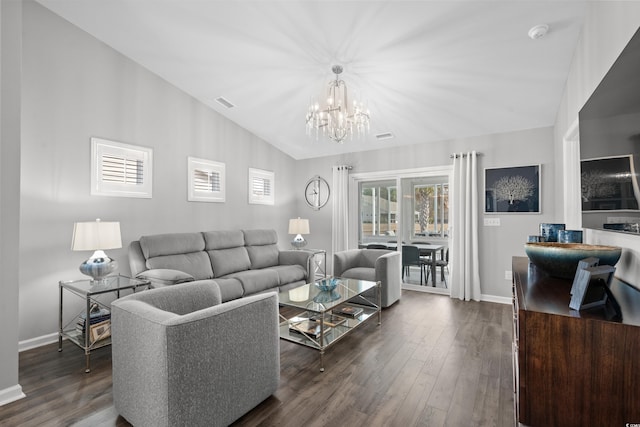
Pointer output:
x,y
90,329
318,262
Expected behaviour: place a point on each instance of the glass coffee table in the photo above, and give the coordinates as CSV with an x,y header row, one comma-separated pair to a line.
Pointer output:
x,y
318,319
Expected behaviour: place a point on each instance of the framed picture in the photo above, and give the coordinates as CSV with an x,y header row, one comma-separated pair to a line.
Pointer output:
x,y
100,331
590,287
609,184
512,190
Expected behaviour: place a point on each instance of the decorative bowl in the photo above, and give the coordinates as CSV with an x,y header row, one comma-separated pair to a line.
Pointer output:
x,y
326,296
327,284
561,259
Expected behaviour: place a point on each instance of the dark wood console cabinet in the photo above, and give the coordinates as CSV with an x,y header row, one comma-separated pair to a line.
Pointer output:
x,y
573,368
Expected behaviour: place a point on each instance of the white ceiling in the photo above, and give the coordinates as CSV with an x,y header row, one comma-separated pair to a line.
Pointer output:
x,y
430,70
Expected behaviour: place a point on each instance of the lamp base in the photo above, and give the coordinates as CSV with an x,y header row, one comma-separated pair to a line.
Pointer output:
x,y
298,242
98,266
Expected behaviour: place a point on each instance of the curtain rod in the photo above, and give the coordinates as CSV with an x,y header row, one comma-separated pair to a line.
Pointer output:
x,y
456,155
344,167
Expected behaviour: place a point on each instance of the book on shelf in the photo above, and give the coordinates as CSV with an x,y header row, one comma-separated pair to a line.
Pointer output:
x,y
348,310
95,316
330,319
308,327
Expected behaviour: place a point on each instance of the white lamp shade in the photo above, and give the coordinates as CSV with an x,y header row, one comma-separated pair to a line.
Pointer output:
x,y
96,235
298,226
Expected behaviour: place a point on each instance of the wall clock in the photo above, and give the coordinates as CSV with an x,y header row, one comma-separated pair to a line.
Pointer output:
x,y
316,193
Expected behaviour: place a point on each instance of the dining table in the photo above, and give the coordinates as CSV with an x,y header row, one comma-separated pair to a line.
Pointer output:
x,y
425,249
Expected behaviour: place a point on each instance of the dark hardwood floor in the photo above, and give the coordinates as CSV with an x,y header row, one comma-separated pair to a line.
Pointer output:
x,y
433,362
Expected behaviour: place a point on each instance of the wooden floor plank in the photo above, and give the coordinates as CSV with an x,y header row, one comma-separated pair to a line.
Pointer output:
x,y
434,361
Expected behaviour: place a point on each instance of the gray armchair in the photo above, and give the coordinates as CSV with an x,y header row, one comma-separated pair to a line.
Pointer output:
x,y
180,357
373,265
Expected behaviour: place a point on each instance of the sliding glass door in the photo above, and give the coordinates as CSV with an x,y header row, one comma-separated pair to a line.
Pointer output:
x,y
378,209
405,207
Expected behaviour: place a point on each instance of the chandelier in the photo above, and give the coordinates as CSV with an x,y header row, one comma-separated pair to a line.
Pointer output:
x,y
338,119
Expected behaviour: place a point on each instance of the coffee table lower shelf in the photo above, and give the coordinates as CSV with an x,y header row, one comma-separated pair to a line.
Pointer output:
x,y
330,334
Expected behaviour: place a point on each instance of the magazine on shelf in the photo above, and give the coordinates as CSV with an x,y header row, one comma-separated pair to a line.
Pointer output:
x,y
308,327
348,310
330,319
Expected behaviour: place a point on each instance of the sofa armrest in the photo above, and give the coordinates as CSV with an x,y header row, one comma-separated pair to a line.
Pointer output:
x,y
137,261
223,359
295,257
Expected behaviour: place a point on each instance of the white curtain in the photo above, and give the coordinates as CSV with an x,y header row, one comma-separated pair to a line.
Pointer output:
x,y
465,276
340,218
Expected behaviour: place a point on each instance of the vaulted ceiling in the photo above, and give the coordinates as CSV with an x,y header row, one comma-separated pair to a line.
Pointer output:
x,y
429,70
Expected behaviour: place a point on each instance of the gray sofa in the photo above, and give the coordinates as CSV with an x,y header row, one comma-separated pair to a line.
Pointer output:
x,y
182,358
241,262
373,265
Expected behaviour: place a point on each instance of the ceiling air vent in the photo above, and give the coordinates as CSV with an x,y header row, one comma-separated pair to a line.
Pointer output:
x,y
224,102
387,135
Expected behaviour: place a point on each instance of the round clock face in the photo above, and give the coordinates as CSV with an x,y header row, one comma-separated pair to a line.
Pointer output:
x,y
316,193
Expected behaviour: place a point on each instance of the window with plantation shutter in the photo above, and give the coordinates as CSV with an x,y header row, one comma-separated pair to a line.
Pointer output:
x,y
261,187
206,180
120,170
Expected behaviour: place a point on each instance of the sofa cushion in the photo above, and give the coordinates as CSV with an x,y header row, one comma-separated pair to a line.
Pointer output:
x,y
230,289
227,261
289,273
223,239
260,237
360,273
263,256
171,244
196,264
164,276
254,281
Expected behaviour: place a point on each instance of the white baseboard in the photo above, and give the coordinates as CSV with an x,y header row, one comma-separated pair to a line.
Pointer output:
x,y
496,299
11,394
426,289
37,342
442,291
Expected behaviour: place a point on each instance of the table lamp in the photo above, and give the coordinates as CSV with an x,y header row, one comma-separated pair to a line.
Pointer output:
x,y
298,227
97,236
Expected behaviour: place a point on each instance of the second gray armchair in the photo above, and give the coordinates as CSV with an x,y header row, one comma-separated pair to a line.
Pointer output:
x,y
373,265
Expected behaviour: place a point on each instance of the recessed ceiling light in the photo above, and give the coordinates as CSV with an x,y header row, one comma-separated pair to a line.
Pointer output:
x,y
386,135
224,102
538,31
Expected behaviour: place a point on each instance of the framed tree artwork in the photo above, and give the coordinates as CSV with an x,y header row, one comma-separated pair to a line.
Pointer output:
x,y
512,190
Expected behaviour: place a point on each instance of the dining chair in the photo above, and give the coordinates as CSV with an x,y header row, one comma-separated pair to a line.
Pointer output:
x,y
442,263
411,258
426,255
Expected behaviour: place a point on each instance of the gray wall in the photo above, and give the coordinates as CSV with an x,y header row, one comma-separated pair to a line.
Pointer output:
x,y
10,36
607,29
76,87
496,244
